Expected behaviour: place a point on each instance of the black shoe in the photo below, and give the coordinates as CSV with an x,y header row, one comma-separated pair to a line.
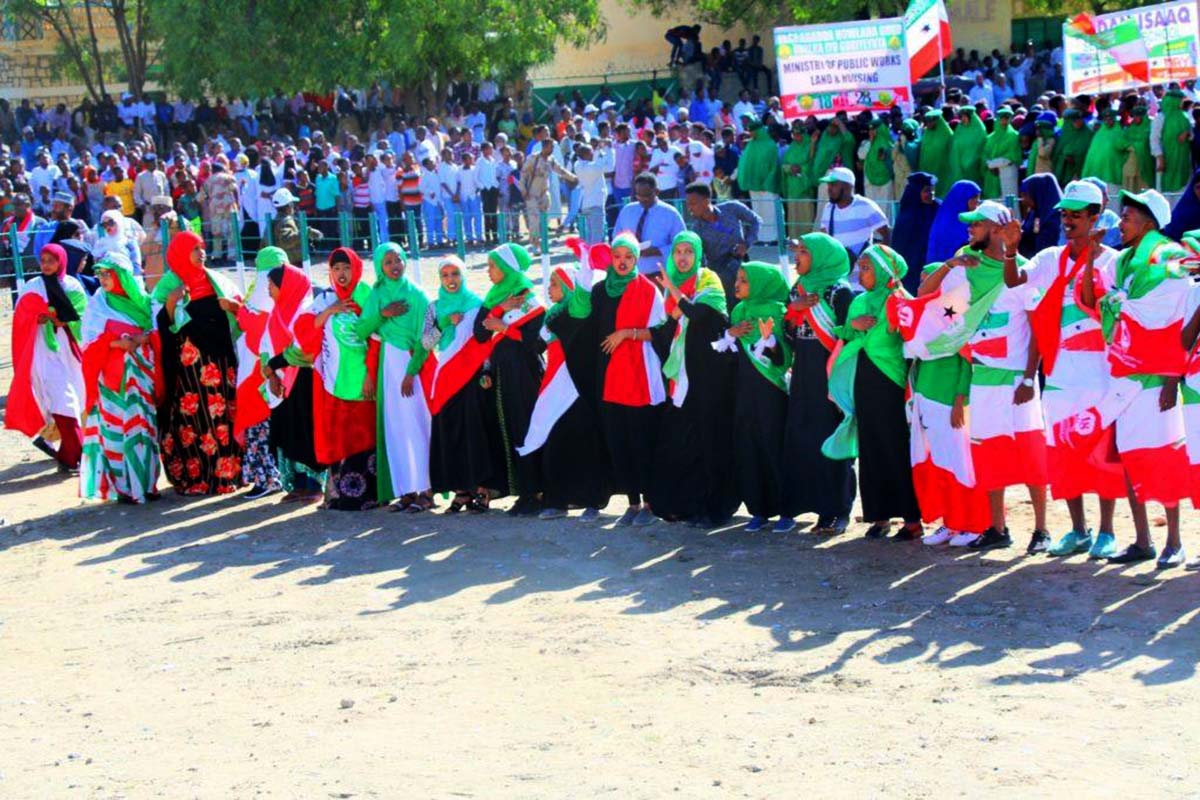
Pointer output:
x,y
876,531
836,526
1134,554
909,533
1038,543
258,492
991,539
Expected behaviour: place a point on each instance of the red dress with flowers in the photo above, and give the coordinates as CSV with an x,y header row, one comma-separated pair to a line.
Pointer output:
x,y
199,453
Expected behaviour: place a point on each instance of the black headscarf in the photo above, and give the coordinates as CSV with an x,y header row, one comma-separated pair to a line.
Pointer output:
x,y
914,220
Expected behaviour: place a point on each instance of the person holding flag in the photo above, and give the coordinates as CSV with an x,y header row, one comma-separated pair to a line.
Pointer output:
x,y
1141,317
1073,359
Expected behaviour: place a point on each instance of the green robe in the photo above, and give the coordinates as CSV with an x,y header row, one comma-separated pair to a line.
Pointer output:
x,y
935,155
966,150
1004,142
1137,140
1176,154
758,168
1071,152
877,168
1106,154
801,185
830,147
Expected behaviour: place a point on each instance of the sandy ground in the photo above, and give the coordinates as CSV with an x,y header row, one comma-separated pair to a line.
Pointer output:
x,y
228,649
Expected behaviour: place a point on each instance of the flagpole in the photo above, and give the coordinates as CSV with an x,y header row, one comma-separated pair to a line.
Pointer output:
x,y
941,59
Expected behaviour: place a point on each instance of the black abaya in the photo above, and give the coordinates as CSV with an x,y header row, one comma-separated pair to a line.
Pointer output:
x,y
465,450
884,464
693,473
815,484
292,421
759,421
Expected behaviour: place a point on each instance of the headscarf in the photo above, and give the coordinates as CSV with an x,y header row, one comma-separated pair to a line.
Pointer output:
x,y
356,293
345,375
881,345
1186,214
1106,154
449,303
948,233
936,152
914,220
1042,226
267,259
877,167
128,299
830,263
1072,142
766,299
56,293
967,145
911,133
1176,155
614,282
798,186
1004,142
513,260
179,259
700,285
292,300
758,167
1137,139
834,144
404,331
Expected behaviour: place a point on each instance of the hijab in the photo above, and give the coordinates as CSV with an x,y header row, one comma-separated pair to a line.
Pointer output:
x,y
699,285
830,264
514,261
766,299
404,331
352,294
128,299
179,258
56,293
948,233
458,302
914,220
1042,226
614,282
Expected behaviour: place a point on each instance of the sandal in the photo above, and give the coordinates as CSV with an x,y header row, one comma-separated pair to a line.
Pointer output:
x,y
461,500
422,502
480,503
402,504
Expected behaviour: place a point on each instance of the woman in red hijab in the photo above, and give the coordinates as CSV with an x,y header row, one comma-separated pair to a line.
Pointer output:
x,y
195,417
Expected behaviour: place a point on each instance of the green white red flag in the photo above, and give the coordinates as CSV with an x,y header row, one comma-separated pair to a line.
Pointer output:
x,y
1123,43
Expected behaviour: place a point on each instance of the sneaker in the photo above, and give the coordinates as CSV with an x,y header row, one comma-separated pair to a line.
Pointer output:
x,y
1193,565
1171,557
552,513
991,539
644,519
1039,542
940,536
1104,546
756,524
837,526
784,525
626,519
258,492
908,533
963,539
1134,554
1071,543
589,515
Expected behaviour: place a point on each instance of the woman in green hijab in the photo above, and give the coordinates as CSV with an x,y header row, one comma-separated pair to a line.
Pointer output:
x,y
1071,150
906,156
799,188
1001,158
1106,154
696,438
817,308
868,382
758,174
510,320
966,146
935,151
877,163
761,391
394,313
1175,163
1138,173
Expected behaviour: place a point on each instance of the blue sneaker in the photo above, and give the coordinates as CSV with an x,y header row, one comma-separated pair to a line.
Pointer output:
x,y
756,524
1105,546
784,525
1071,543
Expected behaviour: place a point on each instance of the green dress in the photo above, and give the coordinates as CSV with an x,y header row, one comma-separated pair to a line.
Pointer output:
x,y
966,148
1177,154
935,155
758,167
1106,154
1004,142
1071,152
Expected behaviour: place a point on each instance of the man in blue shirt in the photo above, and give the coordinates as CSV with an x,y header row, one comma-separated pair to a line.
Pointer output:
x,y
725,229
653,222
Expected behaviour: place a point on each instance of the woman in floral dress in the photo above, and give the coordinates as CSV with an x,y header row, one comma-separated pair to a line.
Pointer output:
x,y
195,419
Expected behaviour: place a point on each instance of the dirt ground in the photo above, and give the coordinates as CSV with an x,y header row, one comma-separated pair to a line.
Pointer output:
x,y
219,648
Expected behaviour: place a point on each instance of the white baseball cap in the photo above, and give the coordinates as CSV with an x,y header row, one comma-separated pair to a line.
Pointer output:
x,y
283,197
1079,195
988,211
1153,202
839,175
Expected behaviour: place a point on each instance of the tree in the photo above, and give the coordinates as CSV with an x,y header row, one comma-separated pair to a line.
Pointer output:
x,y
76,24
257,46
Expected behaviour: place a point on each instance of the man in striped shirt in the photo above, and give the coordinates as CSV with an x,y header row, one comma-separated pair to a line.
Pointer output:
x,y
850,218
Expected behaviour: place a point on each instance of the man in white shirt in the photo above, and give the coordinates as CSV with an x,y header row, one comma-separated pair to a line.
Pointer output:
x,y
593,188
743,107
431,203
377,180
982,90
127,111
851,218
425,146
44,175
489,189
663,167
468,194
448,178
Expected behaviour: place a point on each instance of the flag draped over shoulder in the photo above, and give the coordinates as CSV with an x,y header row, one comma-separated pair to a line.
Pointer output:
x,y
1123,42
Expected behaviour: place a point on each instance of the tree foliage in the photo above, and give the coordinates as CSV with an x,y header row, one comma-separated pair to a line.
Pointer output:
x,y
76,24
252,47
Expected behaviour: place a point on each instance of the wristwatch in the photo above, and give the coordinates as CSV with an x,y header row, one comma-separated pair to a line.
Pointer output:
x,y
1027,382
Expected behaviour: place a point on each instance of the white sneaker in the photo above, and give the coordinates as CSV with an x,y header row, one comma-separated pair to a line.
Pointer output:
x,y
940,536
963,539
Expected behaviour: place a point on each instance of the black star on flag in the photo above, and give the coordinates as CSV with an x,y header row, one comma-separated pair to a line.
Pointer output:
x,y
949,312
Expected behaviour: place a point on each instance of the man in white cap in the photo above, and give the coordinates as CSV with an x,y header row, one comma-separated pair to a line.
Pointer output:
x,y
286,227
1142,314
1008,443
1073,354
852,219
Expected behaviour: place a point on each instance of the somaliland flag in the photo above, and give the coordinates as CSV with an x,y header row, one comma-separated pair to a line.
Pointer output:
x,y
927,35
1123,43
940,324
